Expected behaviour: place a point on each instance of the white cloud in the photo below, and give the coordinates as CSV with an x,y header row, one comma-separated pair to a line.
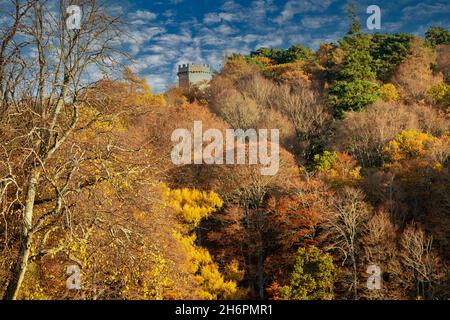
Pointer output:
x,y
157,83
230,5
318,22
392,26
270,43
293,7
248,38
173,38
143,15
169,13
425,10
214,17
212,40
224,29
260,8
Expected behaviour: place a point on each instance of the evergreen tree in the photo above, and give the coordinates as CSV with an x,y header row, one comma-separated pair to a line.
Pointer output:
x,y
388,51
437,36
354,90
355,25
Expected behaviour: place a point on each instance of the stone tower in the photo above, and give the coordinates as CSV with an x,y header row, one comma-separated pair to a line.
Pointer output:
x,y
193,74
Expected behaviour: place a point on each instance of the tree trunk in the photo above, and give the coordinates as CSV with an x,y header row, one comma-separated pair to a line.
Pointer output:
x,y
17,273
260,275
355,278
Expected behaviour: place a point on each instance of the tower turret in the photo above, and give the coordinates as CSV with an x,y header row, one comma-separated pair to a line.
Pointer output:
x,y
193,74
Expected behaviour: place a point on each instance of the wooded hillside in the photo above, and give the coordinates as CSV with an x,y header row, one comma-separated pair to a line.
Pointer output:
x,y
86,177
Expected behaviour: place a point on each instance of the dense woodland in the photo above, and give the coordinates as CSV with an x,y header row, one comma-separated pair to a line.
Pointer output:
x,y
86,176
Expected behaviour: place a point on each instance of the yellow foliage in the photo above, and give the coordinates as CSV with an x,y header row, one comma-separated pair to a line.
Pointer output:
x,y
389,92
212,284
440,93
93,123
289,71
130,93
264,60
232,271
344,171
193,205
33,288
410,144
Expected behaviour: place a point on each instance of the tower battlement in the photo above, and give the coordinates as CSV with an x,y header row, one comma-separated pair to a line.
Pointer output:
x,y
182,68
193,74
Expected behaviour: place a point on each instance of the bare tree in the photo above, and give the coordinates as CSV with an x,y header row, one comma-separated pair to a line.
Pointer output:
x,y
425,268
344,229
307,113
443,60
49,66
12,66
257,88
414,76
365,134
380,249
237,109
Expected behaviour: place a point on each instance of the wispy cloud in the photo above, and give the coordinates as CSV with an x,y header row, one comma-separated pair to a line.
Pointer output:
x,y
164,34
319,21
293,7
424,10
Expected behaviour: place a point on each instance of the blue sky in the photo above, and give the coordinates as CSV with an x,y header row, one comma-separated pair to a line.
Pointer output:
x,y
165,33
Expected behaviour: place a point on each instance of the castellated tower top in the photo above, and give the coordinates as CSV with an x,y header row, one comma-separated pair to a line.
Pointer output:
x,y
193,74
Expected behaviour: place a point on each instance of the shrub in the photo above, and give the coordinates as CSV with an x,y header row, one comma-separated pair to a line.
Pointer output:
x,y
325,161
440,93
389,92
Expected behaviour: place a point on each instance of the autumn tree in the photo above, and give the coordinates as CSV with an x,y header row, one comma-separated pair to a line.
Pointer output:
x,y
329,58
193,206
344,229
109,207
365,134
426,269
414,76
443,61
308,114
50,111
295,217
251,101
419,164
380,245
